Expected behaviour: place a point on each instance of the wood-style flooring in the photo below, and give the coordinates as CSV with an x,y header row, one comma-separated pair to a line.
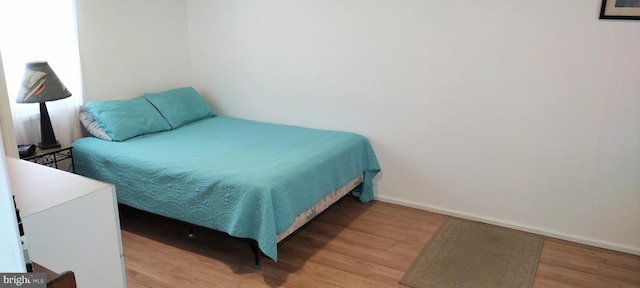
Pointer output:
x,y
352,244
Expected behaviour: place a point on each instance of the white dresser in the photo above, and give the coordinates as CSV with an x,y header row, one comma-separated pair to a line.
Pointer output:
x,y
71,223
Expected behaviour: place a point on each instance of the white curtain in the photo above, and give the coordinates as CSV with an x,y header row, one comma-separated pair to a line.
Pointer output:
x,y
42,30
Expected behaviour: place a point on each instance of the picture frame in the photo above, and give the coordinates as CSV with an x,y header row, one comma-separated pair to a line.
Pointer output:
x,y
620,9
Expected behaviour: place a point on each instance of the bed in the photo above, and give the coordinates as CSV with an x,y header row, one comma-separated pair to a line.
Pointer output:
x,y
167,153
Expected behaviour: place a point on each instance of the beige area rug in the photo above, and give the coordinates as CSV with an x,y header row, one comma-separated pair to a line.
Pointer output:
x,y
469,254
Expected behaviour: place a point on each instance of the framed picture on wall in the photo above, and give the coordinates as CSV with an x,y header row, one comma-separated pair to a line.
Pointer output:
x,y
620,9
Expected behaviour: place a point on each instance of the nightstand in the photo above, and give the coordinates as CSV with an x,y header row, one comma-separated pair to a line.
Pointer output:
x,y
59,158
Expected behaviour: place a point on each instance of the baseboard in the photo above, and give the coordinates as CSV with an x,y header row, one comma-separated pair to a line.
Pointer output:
x,y
517,226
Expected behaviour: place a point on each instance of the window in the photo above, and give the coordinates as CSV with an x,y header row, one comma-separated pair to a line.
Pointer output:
x,y
41,30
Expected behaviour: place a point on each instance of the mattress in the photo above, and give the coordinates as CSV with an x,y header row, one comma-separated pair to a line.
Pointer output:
x,y
247,178
320,206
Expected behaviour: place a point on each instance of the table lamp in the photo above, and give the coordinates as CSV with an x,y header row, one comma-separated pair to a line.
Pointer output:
x,y
39,85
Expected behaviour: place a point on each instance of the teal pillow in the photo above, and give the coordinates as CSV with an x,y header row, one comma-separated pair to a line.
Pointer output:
x,y
180,106
124,119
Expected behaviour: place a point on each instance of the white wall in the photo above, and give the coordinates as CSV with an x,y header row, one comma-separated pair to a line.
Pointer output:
x,y
10,245
128,47
6,121
520,113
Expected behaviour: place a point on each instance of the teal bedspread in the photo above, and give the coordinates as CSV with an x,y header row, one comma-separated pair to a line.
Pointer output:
x,y
247,178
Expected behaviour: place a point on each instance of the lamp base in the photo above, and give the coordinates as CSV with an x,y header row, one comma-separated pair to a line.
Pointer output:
x,y
46,130
44,146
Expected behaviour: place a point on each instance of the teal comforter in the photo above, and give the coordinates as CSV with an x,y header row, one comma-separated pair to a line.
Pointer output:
x,y
249,179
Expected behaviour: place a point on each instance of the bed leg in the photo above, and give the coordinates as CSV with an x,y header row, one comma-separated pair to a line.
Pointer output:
x,y
256,253
191,233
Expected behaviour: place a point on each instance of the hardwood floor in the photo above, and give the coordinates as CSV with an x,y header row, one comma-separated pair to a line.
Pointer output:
x,y
352,244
